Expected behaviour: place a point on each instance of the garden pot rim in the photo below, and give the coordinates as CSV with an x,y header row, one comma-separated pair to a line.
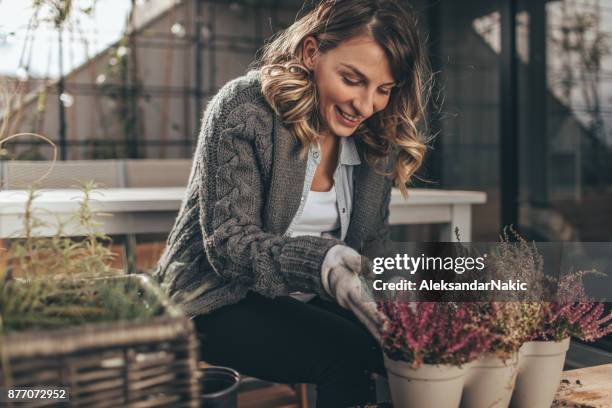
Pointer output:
x,y
490,360
225,391
545,347
432,372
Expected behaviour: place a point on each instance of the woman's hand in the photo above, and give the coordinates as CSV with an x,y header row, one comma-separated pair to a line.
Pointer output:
x,y
340,275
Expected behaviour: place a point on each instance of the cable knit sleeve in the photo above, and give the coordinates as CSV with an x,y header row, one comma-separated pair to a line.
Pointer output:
x,y
231,199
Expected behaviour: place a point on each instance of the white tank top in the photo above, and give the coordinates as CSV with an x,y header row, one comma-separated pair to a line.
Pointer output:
x,y
320,216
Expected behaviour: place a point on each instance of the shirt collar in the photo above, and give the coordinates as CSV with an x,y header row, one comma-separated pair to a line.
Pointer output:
x,y
348,151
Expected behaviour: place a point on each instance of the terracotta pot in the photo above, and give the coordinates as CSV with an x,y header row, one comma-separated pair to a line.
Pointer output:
x,y
539,373
489,382
429,386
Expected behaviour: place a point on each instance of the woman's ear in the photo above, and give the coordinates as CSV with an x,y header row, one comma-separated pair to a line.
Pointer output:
x,y
310,52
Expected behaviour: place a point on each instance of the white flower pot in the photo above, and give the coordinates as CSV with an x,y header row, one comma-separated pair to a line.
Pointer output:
x,y
489,382
429,386
539,373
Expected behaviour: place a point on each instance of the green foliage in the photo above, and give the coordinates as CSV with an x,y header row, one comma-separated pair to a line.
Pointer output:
x,y
44,304
58,281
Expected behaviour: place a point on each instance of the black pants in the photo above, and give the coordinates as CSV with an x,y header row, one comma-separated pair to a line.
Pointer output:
x,y
284,340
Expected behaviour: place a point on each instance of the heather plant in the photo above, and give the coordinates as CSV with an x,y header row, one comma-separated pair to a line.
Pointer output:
x,y
510,324
433,333
565,310
511,259
587,321
574,313
455,333
516,258
514,317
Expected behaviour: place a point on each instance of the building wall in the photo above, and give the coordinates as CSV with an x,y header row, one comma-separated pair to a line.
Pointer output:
x,y
165,71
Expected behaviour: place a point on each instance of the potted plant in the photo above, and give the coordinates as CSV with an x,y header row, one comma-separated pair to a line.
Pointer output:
x,y
542,357
427,350
543,319
70,320
508,319
484,352
491,377
511,320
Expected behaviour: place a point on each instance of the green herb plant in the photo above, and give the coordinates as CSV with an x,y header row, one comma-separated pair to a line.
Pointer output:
x,y
51,282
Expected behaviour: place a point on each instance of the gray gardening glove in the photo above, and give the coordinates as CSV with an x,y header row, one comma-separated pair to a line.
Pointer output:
x,y
340,275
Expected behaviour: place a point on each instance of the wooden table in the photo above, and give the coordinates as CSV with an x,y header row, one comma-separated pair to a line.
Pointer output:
x,y
586,387
589,387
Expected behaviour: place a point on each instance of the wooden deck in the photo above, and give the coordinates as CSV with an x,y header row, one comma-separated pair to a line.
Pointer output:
x,y
275,396
586,387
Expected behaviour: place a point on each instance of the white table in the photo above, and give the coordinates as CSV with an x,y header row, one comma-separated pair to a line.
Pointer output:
x,y
130,211
153,210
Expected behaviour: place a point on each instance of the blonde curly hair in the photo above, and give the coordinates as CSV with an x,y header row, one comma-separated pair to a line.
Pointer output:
x,y
391,135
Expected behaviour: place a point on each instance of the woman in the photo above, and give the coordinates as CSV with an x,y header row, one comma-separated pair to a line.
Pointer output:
x,y
290,182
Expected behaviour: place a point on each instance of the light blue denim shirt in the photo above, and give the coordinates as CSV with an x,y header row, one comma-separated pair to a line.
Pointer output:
x,y
343,182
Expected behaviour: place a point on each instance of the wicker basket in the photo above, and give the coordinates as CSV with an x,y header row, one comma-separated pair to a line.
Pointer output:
x,y
136,364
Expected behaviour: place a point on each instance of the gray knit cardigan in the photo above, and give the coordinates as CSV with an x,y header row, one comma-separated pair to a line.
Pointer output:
x,y
243,191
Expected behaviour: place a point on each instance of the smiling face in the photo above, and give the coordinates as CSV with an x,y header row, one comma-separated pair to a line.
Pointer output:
x,y
353,82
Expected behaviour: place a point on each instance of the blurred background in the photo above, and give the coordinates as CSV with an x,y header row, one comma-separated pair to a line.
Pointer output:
x,y
522,105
